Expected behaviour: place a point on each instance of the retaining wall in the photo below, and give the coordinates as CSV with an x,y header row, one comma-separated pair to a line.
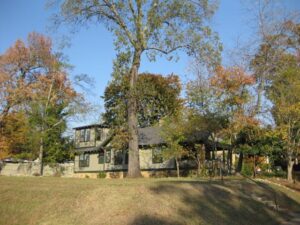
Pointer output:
x,y
32,168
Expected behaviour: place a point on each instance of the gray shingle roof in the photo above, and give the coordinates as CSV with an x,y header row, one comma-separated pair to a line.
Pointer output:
x,y
90,125
150,136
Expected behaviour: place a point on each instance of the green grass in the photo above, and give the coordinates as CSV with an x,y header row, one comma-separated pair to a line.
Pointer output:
x,y
44,200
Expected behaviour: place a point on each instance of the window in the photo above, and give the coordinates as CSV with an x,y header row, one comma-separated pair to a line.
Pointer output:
x,y
84,160
99,134
101,157
157,155
85,135
82,135
108,156
118,157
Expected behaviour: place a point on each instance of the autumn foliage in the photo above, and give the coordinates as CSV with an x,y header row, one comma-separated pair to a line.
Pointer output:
x,y
33,85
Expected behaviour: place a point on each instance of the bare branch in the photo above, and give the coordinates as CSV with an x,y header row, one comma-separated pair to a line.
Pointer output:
x,y
166,52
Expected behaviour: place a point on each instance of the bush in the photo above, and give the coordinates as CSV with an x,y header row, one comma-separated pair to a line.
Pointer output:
x,y
36,174
101,175
247,169
280,173
265,167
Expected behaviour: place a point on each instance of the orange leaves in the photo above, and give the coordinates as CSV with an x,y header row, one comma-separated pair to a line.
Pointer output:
x,y
32,80
28,71
13,133
232,83
231,79
232,88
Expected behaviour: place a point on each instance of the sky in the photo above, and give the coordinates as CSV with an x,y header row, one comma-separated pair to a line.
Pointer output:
x,y
91,49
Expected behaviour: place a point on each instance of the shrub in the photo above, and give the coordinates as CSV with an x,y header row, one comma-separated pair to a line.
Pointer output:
x,y
280,173
265,167
101,174
36,174
247,169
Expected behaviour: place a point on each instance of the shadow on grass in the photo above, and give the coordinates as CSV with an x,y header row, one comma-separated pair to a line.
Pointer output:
x,y
216,202
151,220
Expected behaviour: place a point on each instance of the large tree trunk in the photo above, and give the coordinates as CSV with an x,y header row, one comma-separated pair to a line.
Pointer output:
x,y
134,159
290,165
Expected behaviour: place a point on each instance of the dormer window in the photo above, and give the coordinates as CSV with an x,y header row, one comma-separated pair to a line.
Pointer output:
x,y
85,135
99,134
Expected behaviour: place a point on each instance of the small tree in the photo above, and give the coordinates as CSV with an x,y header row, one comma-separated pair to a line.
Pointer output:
x,y
231,87
173,134
253,141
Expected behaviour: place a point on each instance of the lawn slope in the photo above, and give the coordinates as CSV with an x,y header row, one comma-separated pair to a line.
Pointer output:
x,y
41,200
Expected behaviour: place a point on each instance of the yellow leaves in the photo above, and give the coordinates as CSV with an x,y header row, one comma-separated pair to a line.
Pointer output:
x,y
14,132
4,147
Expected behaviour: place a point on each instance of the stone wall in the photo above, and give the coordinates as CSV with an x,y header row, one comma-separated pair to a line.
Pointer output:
x,y
32,169
67,170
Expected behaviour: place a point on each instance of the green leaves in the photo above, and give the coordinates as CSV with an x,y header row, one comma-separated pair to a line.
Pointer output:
x,y
173,133
157,97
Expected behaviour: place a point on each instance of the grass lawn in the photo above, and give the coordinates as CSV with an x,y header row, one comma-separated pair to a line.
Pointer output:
x,y
47,200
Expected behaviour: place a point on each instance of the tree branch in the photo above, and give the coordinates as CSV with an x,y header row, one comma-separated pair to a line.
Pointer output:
x,y
166,52
119,21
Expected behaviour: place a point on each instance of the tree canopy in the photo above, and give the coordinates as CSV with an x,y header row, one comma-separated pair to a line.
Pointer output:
x,y
36,99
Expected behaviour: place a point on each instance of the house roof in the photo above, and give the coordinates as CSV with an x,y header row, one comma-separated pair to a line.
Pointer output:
x,y
90,125
150,136
88,149
198,136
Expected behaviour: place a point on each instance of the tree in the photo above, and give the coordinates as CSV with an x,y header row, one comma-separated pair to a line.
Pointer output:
x,y
36,86
14,134
173,133
283,49
20,67
231,87
284,92
206,113
51,106
157,97
151,27
254,141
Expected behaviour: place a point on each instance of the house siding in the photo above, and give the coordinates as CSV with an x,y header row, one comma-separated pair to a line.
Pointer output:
x,y
145,163
92,142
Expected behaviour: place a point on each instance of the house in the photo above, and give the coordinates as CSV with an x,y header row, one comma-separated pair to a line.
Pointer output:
x,y
94,154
